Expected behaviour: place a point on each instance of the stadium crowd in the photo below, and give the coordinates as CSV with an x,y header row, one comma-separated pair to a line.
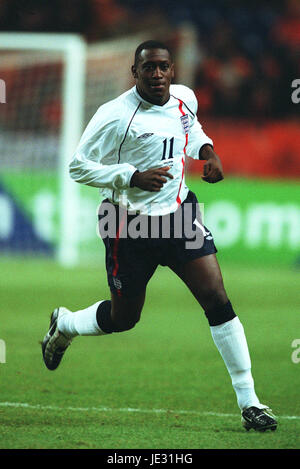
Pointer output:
x,y
248,52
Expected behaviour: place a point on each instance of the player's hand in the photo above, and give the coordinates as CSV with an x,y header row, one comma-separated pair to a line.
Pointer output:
x,y
151,180
212,170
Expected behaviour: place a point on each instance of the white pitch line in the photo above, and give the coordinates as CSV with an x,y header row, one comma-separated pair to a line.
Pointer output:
x,y
129,410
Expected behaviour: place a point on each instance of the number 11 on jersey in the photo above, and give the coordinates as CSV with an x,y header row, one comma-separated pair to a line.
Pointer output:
x,y
166,144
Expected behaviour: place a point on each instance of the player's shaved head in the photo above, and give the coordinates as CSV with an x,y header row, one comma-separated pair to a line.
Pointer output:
x,y
151,44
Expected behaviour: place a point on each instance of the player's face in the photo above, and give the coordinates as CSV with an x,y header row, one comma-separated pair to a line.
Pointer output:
x,y
153,75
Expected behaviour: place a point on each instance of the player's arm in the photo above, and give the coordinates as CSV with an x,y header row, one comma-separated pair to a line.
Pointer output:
x,y
212,170
95,161
200,146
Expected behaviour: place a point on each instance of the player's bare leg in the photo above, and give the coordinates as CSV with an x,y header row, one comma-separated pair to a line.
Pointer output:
x,y
204,279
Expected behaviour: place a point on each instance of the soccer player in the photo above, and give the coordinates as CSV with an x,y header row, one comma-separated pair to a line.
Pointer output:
x,y
134,150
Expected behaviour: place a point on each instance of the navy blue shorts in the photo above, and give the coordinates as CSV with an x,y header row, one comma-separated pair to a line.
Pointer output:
x,y
136,244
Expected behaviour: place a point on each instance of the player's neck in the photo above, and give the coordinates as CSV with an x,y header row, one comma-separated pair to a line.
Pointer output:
x,y
156,100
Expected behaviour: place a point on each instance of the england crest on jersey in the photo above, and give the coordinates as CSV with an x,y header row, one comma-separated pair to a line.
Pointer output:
x,y
185,123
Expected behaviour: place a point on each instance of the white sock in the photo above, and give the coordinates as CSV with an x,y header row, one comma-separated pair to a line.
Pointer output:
x,y
82,322
230,340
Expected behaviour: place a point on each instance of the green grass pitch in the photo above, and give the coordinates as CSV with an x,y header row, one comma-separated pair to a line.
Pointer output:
x,y
160,385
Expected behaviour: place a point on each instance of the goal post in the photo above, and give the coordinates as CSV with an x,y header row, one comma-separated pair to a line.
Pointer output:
x,y
72,49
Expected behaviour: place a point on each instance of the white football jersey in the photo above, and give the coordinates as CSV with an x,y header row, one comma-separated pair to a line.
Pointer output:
x,y
129,133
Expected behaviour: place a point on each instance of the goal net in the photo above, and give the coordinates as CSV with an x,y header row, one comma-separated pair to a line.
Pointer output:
x,y
51,85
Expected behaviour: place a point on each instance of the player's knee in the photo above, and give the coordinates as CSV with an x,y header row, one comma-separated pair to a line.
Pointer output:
x,y
125,325
220,313
116,319
213,296
126,319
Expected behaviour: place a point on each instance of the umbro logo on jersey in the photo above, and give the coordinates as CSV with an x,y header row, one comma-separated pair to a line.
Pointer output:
x,y
145,135
185,123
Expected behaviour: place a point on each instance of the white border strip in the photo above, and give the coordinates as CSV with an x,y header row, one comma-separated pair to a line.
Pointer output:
x,y
128,410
